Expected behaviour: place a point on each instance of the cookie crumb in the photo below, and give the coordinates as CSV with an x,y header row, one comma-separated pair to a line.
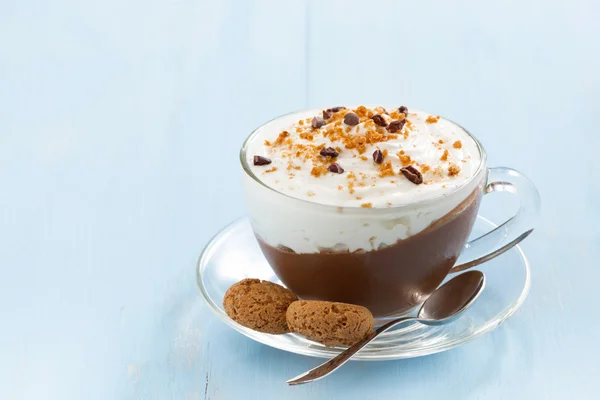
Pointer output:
x,y
386,169
351,187
444,156
453,170
307,136
281,138
318,171
404,159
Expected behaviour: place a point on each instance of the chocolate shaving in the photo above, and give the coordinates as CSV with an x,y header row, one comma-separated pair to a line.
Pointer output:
x,y
327,113
329,152
403,109
260,160
378,157
396,126
379,120
351,119
317,122
336,109
412,174
335,167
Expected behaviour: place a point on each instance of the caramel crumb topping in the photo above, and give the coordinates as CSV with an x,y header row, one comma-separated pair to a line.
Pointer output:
x,y
405,159
386,169
444,156
362,112
373,136
367,205
281,138
310,194
396,115
369,124
351,187
453,170
318,171
357,142
304,148
307,136
389,203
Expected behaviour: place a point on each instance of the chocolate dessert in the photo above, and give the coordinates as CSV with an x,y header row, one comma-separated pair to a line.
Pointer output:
x,y
363,205
390,280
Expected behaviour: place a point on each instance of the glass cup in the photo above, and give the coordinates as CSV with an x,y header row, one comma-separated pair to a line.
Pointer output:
x,y
386,259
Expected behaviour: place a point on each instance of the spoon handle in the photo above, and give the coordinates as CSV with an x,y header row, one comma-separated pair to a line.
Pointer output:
x,y
329,366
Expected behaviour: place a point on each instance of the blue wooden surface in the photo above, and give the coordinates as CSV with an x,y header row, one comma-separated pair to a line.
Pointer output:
x,y
116,116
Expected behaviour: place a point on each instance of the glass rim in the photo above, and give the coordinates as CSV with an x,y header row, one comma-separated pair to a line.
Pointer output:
x,y
248,170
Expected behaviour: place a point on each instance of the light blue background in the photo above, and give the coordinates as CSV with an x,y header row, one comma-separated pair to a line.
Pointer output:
x,y
119,128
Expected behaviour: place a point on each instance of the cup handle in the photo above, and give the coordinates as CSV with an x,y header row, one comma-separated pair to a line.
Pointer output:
x,y
511,232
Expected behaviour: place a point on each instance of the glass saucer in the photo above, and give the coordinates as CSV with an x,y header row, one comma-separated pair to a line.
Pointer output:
x,y
233,254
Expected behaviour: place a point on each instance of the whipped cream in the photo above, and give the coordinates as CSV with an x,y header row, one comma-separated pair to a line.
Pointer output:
x,y
375,204
434,148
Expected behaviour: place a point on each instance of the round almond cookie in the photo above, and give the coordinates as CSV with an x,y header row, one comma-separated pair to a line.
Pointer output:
x,y
329,323
259,305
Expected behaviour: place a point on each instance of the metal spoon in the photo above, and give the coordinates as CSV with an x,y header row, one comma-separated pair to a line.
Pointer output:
x,y
443,306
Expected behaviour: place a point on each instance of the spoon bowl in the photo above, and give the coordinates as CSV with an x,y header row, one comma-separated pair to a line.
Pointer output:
x,y
449,300
444,305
